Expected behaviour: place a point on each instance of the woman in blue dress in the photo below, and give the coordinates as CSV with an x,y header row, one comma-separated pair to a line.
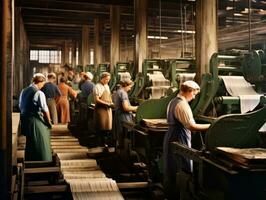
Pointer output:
x,y
124,109
35,120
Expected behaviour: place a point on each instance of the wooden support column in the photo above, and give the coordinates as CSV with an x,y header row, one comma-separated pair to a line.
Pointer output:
x,y
115,35
141,10
206,35
97,42
85,50
6,67
66,52
74,54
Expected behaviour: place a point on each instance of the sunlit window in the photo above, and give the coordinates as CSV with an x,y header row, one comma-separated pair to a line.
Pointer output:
x,y
34,54
91,56
70,56
46,56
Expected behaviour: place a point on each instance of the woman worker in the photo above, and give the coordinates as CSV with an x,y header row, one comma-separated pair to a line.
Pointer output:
x,y
123,112
35,120
103,108
86,89
181,123
62,104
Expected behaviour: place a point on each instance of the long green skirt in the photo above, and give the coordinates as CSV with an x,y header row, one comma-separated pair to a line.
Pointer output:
x,y
38,146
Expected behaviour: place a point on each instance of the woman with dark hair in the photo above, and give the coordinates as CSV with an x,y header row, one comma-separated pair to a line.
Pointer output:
x,y
63,102
123,112
35,120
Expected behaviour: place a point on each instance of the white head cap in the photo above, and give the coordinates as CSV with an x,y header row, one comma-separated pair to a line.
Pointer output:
x,y
89,75
39,74
191,84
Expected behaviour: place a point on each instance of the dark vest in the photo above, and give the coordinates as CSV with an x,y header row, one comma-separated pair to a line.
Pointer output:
x,y
28,107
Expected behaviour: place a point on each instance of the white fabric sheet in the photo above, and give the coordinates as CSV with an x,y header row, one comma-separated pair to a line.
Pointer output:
x,y
237,86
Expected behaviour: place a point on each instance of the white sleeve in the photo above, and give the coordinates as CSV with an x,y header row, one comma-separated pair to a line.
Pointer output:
x,y
184,114
40,100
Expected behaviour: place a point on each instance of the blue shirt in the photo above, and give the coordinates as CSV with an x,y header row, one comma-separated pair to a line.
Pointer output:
x,y
87,88
51,90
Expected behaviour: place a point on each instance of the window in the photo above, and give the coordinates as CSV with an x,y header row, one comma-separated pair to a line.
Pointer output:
x,y
55,57
34,55
43,56
46,56
70,56
91,56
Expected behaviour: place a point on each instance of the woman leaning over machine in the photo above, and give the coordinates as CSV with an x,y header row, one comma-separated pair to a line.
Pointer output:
x,y
35,120
181,123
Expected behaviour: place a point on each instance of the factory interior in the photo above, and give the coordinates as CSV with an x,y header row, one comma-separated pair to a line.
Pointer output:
x,y
158,45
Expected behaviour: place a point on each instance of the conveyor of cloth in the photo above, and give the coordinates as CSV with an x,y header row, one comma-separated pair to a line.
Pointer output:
x,y
83,175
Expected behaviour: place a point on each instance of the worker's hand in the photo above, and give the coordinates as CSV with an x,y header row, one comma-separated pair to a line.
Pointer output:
x,y
49,125
111,105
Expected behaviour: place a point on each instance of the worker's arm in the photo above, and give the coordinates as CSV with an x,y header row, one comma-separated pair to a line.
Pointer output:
x,y
198,127
99,101
128,108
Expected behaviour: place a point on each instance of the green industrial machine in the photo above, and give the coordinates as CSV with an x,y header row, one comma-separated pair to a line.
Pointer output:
x,y
102,67
214,99
179,66
151,66
124,67
231,176
140,91
90,68
217,175
144,144
121,67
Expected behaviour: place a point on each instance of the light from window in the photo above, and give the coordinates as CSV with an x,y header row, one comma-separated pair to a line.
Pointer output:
x,y
46,56
34,54
77,56
70,56
91,56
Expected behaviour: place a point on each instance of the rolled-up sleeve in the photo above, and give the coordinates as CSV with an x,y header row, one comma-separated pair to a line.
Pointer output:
x,y
184,114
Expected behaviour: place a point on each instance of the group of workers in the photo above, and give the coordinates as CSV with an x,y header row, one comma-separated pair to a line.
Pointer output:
x,y
36,120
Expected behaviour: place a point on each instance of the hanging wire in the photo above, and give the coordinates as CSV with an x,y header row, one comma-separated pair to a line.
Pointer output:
x,y
193,35
126,48
234,9
249,23
160,26
182,28
185,24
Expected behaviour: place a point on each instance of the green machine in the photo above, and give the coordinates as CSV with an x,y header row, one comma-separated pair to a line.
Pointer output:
x,y
214,96
122,68
143,144
179,66
102,67
231,162
140,91
151,66
90,68
146,142
224,168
